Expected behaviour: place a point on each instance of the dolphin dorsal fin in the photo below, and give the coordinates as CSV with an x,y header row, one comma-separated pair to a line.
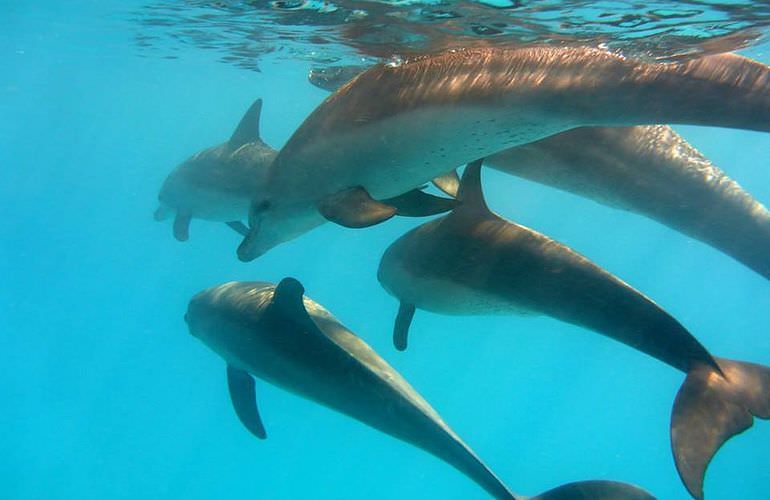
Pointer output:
x,y
289,304
287,297
248,129
470,195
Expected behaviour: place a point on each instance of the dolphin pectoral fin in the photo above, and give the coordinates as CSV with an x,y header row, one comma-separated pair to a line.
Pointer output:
x,y
244,398
417,203
355,208
595,490
248,249
239,227
401,327
182,225
248,128
710,409
448,183
161,213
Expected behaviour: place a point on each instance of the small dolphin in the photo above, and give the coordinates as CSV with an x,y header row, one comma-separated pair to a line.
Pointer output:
x,y
217,183
652,171
277,334
398,125
473,262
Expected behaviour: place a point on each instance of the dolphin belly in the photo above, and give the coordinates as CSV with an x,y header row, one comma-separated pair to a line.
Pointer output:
x,y
444,295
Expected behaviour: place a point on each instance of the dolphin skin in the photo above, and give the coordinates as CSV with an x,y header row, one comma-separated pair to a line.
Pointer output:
x,y
473,262
397,126
649,170
333,77
217,183
276,334
652,171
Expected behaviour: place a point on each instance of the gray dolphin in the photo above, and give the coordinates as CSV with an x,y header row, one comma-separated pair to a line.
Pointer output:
x,y
653,171
217,183
473,262
650,170
399,125
277,334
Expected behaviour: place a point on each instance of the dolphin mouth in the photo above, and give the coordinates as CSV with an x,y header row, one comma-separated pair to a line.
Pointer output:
x,y
248,250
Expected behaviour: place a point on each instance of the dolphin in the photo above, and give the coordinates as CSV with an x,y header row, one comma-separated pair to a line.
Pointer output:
x,y
652,171
647,169
473,262
216,183
277,334
400,124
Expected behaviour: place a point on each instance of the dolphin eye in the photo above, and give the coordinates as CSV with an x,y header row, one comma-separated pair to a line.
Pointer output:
x,y
265,205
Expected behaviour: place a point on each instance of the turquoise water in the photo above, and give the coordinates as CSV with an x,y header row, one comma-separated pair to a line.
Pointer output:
x,y
106,395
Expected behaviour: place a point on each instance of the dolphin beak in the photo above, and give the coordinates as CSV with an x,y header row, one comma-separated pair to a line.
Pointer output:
x,y
247,250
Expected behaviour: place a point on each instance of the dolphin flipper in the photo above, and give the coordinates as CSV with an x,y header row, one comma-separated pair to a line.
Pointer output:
x,y
595,490
244,398
161,213
355,208
401,327
239,227
182,225
710,409
448,183
248,128
418,203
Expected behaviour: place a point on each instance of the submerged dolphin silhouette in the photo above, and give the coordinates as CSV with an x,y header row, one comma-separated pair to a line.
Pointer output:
x,y
277,334
652,171
474,262
217,183
397,126
649,170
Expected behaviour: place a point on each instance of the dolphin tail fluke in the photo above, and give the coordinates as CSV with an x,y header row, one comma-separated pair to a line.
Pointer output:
x,y
595,490
711,408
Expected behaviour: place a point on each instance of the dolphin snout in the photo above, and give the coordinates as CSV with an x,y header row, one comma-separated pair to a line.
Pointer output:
x,y
248,250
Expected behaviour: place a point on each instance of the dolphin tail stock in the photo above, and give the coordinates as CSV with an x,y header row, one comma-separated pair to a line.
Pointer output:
x,y
595,490
724,90
711,408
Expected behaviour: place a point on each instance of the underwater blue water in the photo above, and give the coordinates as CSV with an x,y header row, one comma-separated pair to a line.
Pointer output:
x,y
105,395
